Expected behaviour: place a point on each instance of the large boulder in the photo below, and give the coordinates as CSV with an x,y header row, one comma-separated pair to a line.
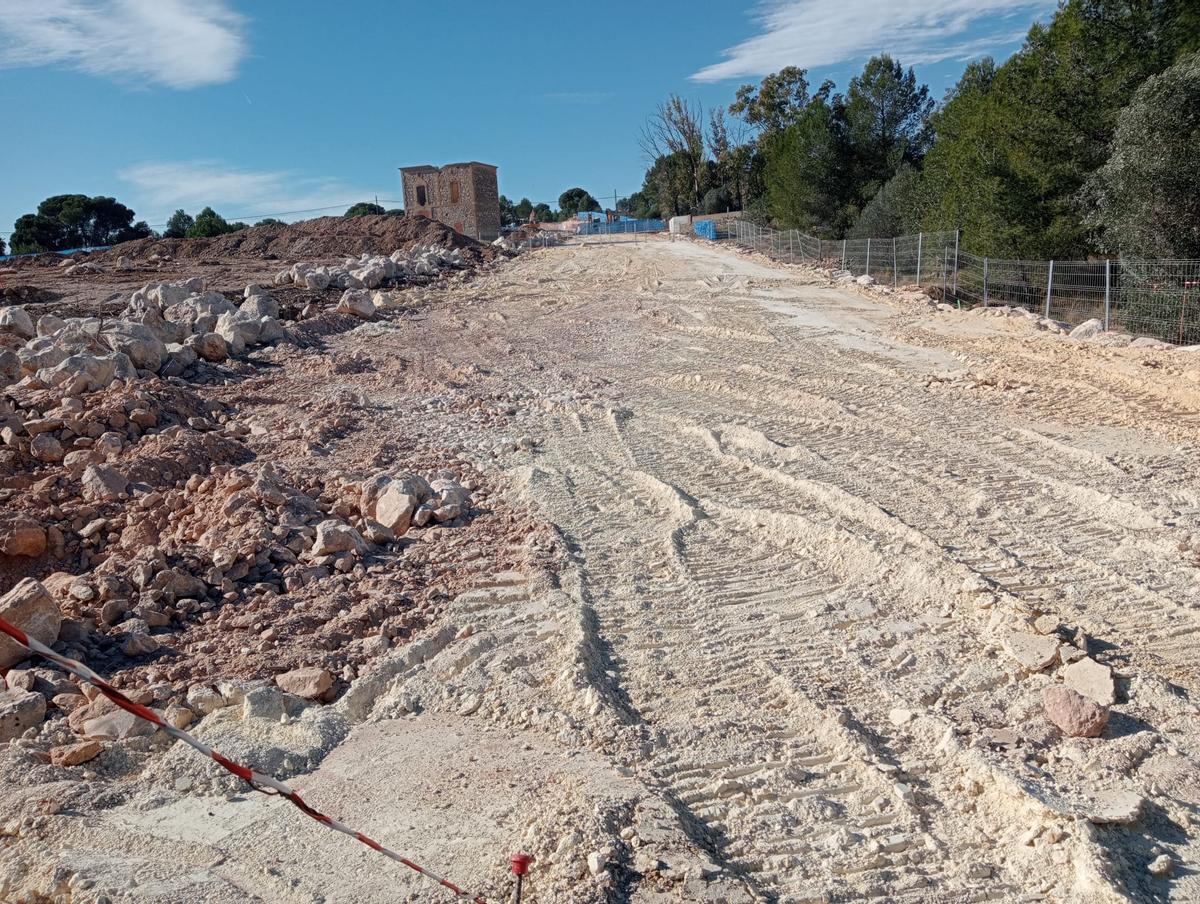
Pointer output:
x,y
20,535
238,330
30,607
10,367
200,312
209,346
166,294
1088,329
259,306
88,373
310,683
20,710
103,483
138,341
335,536
13,319
357,303
49,324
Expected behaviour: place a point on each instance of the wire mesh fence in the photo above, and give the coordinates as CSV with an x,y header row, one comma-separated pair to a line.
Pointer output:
x,y
1159,299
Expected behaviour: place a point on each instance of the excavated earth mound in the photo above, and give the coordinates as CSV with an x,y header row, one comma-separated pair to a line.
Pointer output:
x,y
321,237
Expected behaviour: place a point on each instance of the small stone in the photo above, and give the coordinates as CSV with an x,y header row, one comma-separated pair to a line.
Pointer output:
x,y
1073,713
178,716
309,682
1034,652
1122,808
103,483
596,862
204,699
75,754
1160,865
1092,679
117,726
46,448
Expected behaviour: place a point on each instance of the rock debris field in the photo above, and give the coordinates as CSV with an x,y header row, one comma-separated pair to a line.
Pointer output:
x,y
696,576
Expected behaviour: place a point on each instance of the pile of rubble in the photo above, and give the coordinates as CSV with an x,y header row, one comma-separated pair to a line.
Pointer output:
x,y
180,560
373,271
165,329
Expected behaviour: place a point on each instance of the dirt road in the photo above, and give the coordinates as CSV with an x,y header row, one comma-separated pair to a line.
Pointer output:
x,y
815,550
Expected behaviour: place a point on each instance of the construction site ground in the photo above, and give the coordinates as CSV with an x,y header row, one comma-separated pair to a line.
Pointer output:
x,y
750,621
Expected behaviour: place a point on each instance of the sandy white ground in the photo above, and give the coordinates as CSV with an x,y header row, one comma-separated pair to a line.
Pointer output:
x,y
801,527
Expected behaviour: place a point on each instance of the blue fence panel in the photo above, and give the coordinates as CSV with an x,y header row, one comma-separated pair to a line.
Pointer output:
x,y
706,229
621,226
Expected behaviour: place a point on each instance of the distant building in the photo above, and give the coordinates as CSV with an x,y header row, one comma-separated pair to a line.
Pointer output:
x,y
464,196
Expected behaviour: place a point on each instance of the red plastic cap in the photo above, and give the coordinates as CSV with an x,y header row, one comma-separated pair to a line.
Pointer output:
x,y
520,863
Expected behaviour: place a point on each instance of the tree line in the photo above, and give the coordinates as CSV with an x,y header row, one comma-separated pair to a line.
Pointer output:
x,y
570,202
1083,142
66,222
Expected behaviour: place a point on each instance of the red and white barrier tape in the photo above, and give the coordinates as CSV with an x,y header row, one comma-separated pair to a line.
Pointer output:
x,y
259,782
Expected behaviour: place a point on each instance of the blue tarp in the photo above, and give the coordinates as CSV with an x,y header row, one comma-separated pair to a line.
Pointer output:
x,y
8,257
706,229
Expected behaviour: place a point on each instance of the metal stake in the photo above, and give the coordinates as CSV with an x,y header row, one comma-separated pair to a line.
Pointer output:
x,y
868,257
920,239
985,287
1049,286
895,277
1107,293
955,284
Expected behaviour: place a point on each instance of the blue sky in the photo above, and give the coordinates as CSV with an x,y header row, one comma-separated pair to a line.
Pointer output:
x,y
285,105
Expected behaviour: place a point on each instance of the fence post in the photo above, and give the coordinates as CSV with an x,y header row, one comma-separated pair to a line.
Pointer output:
x,y
985,295
868,257
954,288
819,258
920,240
895,278
945,267
1107,293
791,249
1049,286
843,254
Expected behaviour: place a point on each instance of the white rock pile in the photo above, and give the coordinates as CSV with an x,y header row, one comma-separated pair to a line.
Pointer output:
x,y
163,330
373,271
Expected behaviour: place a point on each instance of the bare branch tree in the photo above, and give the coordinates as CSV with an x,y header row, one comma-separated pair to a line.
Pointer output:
x,y
677,130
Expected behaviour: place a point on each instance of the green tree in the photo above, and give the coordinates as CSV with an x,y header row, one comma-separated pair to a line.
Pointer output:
x,y
364,208
886,114
507,216
542,213
394,212
1146,197
3,249
896,208
33,233
75,221
779,100
806,172
178,225
209,224
576,200
269,221
522,209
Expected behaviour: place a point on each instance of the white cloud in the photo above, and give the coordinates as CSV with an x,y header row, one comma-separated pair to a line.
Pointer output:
x,y
814,33
159,188
178,43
